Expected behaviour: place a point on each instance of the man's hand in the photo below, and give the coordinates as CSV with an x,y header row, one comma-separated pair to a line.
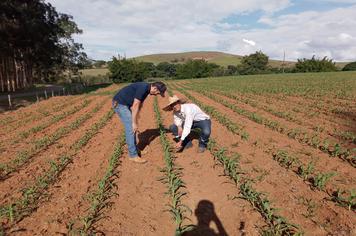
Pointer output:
x,y
179,145
134,127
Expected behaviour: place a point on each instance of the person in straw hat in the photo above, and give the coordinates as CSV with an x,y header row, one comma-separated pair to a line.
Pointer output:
x,y
188,116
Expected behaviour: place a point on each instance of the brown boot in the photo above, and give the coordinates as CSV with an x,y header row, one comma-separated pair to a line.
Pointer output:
x,y
137,159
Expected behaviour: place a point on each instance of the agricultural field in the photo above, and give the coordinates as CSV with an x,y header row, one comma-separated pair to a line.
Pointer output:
x,y
281,161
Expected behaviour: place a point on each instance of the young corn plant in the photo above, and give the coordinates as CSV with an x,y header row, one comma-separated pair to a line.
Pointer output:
x,y
285,159
277,225
306,171
231,165
24,134
321,179
345,198
33,195
302,136
100,197
172,179
24,156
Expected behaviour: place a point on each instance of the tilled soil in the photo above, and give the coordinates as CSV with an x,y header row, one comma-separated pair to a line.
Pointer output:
x,y
138,205
286,190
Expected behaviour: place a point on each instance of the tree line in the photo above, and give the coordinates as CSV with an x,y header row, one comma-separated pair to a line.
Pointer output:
x,y
36,44
131,70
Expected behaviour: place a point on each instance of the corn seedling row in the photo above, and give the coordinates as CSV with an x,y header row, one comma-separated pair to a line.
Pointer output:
x,y
301,136
172,179
345,135
24,134
317,180
40,113
100,197
276,224
285,160
233,127
33,195
41,144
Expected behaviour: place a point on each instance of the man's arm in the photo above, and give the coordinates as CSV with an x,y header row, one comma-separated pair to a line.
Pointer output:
x,y
135,112
188,122
180,131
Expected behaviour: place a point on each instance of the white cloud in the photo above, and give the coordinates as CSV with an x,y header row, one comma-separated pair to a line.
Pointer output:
x,y
153,26
249,42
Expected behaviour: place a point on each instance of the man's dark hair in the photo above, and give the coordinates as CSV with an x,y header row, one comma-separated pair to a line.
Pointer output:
x,y
160,86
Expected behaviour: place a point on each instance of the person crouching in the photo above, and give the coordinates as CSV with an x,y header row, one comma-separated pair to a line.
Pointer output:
x,y
188,116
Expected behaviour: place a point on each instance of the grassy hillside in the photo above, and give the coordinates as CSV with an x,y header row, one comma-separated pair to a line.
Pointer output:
x,y
220,58
95,72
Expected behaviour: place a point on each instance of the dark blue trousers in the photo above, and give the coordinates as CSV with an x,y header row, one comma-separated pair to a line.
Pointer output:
x,y
205,131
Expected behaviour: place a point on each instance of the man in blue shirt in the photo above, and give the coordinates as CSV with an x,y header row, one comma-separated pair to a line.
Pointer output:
x,y
127,104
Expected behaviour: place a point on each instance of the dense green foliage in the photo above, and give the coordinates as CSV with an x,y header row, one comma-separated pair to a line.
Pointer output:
x,y
130,70
315,65
255,63
34,35
125,70
350,67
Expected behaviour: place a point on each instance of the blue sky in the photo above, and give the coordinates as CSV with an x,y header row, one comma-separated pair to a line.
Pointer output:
x,y
300,28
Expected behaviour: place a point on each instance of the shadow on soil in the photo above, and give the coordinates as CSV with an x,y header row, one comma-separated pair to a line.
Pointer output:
x,y
206,215
146,137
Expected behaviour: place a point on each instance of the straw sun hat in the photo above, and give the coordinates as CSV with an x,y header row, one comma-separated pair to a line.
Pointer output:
x,y
172,100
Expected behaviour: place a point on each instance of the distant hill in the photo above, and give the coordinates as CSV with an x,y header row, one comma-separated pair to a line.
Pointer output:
x,y
220,58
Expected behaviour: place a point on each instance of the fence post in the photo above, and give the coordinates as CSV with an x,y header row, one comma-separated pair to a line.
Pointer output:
x,y
45,92
10,104
38,99
64,93
52,93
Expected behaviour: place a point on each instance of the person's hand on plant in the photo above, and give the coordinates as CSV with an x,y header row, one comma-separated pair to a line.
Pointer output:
x,y
179,145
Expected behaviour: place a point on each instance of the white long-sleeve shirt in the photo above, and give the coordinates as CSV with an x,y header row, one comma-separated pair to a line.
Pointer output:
x,y
188,113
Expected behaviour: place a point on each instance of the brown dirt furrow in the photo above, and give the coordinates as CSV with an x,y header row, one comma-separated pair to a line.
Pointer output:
x,y
266,103
139,208
210,194
8,140
12,151
303,111
10,188
68,198
346,177
284,189
28,110
34,112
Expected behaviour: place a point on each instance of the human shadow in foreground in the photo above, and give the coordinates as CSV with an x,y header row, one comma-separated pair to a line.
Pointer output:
x,y
206,215
146,137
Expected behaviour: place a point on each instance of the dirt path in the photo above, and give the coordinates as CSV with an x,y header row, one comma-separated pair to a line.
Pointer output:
x,y
210,193
11,186
70,193
140,206
14,138
345,177
284,188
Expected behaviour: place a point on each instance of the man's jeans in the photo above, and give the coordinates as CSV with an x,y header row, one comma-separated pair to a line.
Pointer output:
x,y
203,125
125,115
